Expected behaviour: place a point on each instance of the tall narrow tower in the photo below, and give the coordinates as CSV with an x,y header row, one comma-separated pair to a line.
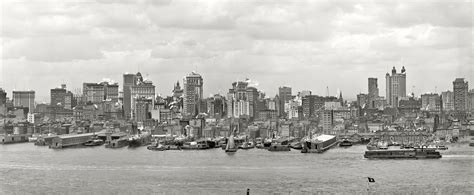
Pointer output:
x,y
396,87
193,93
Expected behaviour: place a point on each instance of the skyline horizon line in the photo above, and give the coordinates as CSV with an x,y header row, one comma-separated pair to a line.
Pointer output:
x,y
42,98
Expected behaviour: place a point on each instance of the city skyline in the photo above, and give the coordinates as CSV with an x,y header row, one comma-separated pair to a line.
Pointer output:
x,y
309,46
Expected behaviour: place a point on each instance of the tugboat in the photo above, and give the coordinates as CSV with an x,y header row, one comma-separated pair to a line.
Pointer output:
x,y
345,143
157,147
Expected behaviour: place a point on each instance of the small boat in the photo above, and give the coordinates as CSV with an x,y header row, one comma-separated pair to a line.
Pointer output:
x,y
247,145
230,147
156,147
345,143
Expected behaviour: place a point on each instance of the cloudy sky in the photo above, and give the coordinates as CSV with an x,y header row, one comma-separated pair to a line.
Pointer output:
x,y
307,45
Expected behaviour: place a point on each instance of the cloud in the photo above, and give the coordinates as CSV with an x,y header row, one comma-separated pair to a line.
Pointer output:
x,y
53,49
306,44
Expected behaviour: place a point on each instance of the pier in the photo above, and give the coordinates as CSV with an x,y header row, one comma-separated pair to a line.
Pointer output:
x,y
70,140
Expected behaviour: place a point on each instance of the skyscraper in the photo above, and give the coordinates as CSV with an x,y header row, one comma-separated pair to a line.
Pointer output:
x,y
3,97
447,99
24,99
460,88
142,90
396,86
193,85
284,93
129,80
58,97
238,100
373,92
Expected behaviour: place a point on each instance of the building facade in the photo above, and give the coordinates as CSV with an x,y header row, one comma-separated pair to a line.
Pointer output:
x,y
431,102
24,99
373,92
396,87
284,93
3,97
193,93
447,99
460,90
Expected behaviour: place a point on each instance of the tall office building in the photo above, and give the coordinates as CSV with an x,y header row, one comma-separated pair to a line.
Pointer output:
x,y
242,100
252,97
284,93
373,92
58,97
111,91
3,97
460,88
470,100
142,90
447,99
396,87
431,102
129,80
193,85
24,99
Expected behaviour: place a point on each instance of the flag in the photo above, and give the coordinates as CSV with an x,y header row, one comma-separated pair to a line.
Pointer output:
x,y
371,180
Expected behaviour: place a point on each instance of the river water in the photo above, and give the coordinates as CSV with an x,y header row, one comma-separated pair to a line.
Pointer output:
x,y
29,169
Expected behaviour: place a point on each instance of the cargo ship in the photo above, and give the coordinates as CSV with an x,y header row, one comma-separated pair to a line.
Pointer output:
x,y
319,144
402,154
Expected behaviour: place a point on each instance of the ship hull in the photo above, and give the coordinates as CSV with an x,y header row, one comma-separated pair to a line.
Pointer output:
x,y
402,154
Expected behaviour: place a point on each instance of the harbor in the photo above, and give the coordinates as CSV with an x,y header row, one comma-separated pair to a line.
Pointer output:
x,y
207,171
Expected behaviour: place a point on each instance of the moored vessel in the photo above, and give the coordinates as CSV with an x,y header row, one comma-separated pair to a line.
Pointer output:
x,y
402,154
319,144
230,147
345,143
279,148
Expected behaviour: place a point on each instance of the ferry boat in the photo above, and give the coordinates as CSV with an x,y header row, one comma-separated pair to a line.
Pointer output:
x,y
319,144
402,154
